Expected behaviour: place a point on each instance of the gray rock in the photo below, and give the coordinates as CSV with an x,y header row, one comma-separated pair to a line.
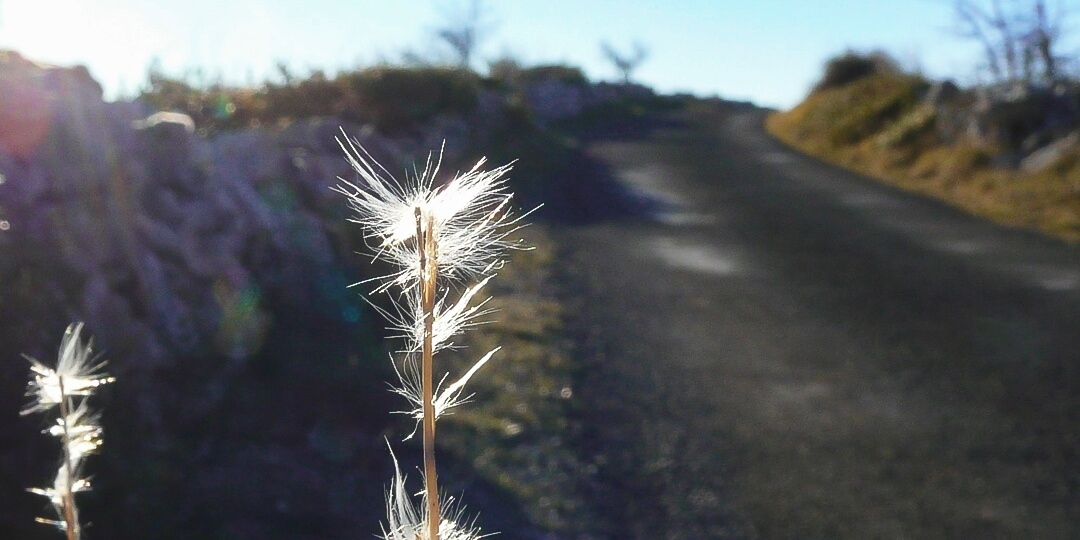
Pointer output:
x,y
1010,115
942,93
1050,154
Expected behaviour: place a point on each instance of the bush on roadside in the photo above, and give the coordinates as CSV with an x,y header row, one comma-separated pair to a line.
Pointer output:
x,y
850,114
852,66
392,98
509,73
397,98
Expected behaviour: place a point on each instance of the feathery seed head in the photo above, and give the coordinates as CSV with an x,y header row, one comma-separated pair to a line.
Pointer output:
x,y
408,322
444,399
83,431
75,377
432,234
469,216
75,371
406,522
59,491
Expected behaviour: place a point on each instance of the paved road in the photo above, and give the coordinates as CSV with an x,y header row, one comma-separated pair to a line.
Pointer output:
x,y
786,350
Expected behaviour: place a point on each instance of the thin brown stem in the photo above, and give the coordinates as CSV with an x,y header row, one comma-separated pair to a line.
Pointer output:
x,y
428,274
71,521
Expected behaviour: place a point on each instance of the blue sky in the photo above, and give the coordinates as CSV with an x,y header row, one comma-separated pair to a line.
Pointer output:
x,y
767,51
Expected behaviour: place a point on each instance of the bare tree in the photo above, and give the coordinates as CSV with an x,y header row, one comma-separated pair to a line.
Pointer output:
x,y
993,31
625,63
1043,36
466,27
1019,38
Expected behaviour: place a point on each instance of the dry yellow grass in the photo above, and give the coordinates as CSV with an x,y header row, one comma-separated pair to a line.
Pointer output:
x,y
877,126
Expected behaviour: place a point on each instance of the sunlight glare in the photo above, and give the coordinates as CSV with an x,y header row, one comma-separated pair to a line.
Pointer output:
x,y
112,37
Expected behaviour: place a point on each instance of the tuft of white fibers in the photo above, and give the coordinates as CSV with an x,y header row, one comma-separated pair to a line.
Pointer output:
x,y
82,429
436,237
450,320
444,399
60,492
470,216
406,522
75,367
77,427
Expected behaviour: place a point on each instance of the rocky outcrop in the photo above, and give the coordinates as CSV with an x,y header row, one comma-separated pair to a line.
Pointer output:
x,y
1048,155
182,255
154,229
187,256
1024,117
1028,125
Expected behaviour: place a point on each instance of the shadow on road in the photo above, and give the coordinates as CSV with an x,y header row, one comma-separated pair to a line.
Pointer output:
x,y
812,356
587,190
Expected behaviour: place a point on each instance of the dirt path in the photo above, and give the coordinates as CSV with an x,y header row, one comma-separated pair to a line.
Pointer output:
x,y
790,351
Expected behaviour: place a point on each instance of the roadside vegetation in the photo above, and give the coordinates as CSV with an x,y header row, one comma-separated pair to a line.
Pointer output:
x,y
1009,152
511,456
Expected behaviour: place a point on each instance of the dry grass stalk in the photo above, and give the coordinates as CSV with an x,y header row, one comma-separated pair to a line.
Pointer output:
x,y
76,376
436,237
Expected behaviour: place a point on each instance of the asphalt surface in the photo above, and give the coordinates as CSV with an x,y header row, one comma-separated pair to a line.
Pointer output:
x,y
782,349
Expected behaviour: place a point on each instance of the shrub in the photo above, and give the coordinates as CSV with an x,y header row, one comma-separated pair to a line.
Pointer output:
x,y
852,66
571,75
393,98
852,113
508,74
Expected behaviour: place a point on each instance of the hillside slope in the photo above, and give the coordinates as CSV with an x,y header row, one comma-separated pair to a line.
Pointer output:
x,y
886,126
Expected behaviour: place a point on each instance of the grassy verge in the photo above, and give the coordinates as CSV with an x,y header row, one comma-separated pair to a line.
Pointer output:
x,y
514,433
519,432
878,126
